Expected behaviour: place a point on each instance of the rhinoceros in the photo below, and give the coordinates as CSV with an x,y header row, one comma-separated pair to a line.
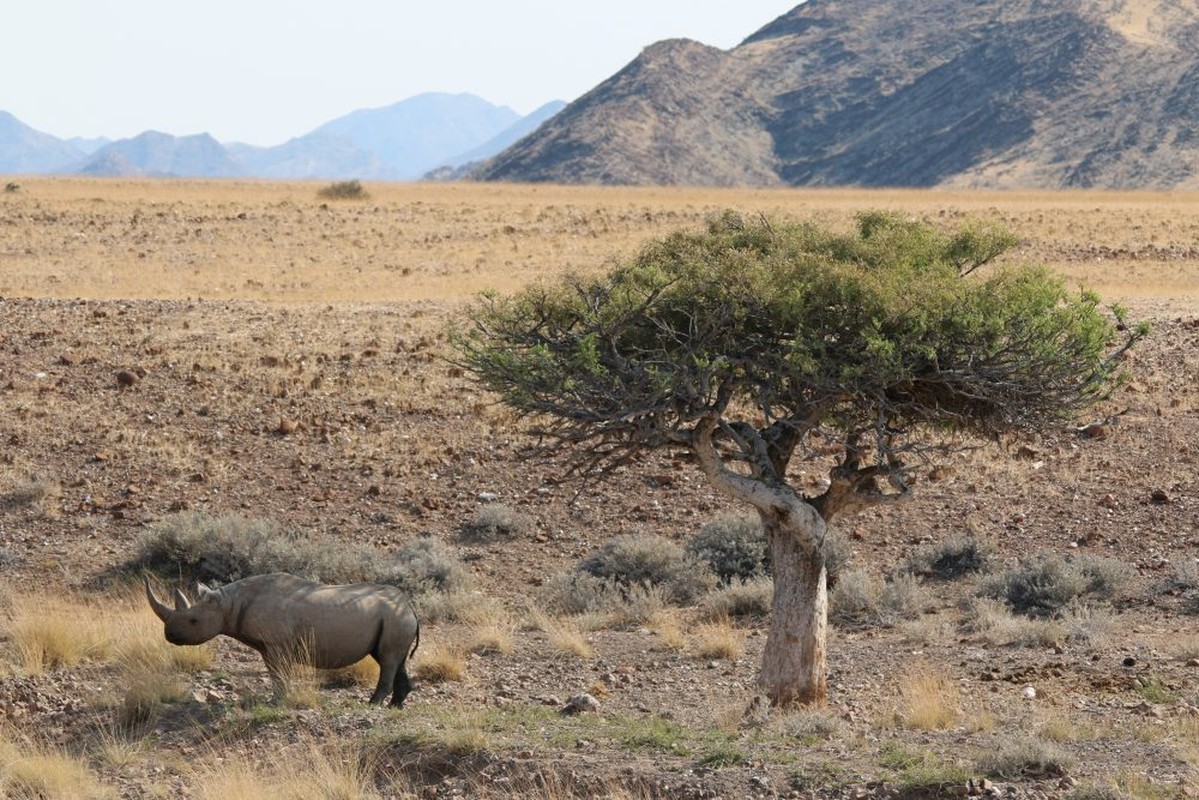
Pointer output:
x,y
288,619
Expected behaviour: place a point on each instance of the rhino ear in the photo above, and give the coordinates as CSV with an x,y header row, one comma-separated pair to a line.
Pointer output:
x,y
181,603
204,592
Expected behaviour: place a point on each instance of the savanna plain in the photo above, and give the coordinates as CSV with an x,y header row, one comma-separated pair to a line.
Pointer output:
x,y
202,380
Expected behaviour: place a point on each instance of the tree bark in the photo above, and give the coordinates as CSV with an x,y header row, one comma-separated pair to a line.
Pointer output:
x,y
794,668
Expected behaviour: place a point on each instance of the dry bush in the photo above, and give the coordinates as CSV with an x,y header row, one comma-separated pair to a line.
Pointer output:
x,y
457,605
490,636
739,599
860,599
733,546
993,623
1010,758
344,190
496,522
638,560
364,672
928,700
954,558
33,492
808,725
1044,585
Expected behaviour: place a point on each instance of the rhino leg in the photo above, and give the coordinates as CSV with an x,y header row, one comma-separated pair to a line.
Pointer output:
x,y
403,685
387,677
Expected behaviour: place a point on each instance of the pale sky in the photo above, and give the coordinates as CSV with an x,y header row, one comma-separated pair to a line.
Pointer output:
x,y
264,71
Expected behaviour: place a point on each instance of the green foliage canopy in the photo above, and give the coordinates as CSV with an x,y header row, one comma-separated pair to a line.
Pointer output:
x,y
796,328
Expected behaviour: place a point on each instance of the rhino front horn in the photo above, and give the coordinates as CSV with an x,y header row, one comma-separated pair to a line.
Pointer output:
x,y
162,612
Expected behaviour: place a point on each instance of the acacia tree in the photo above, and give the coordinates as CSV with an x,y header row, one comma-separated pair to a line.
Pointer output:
x,y
750,343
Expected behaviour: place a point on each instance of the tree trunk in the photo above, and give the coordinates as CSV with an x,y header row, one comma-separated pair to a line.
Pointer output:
x,y
793,662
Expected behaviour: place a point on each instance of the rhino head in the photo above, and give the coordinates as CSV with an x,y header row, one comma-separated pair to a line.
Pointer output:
x,y
189,623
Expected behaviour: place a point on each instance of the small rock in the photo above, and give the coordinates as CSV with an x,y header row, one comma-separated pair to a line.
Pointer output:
x,y
487,497
1129,661
127,378
1029,692
581,703
1160,497
287,427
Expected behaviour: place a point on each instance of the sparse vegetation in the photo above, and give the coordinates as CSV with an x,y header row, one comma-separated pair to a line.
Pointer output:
x,y
733,546
1046,585
344,190
1012,757
861,599
228,547
635,560
954,558
496,522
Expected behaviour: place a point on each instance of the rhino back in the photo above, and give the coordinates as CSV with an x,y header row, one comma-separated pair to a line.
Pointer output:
x,y
342,623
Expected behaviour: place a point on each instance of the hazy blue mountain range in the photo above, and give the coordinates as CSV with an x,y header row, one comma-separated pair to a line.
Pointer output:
x,y
968,93
403,141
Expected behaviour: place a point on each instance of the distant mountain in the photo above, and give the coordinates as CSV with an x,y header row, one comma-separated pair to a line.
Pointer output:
x,y
317,155
400,142
25,150
985,93
160,154
415,135
88,146
508,136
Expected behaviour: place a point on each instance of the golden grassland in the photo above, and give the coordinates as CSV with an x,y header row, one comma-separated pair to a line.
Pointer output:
x,y
280,242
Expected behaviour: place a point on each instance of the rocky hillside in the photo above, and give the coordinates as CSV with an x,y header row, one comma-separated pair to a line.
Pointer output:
x,y
990,93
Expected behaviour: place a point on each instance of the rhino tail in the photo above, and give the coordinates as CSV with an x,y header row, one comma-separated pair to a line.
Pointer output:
x,y
415,642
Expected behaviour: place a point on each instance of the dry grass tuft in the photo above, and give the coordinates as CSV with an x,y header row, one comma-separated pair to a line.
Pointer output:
x,y
32,770
439,663
315,770
669,629
719,639
928,700
53,632
564,633
492,636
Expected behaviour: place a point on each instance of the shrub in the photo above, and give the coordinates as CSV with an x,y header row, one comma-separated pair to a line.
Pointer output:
x,y
739,599
953,558
496,521
424,565
344,190
1043,587
1013,758
634,560
226,548
734,546
859,599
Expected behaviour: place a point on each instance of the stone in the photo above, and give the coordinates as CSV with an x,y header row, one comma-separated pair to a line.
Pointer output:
x,y
580,704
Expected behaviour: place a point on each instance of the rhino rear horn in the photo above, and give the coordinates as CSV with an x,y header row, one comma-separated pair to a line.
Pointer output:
x,y
160,610
181,601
